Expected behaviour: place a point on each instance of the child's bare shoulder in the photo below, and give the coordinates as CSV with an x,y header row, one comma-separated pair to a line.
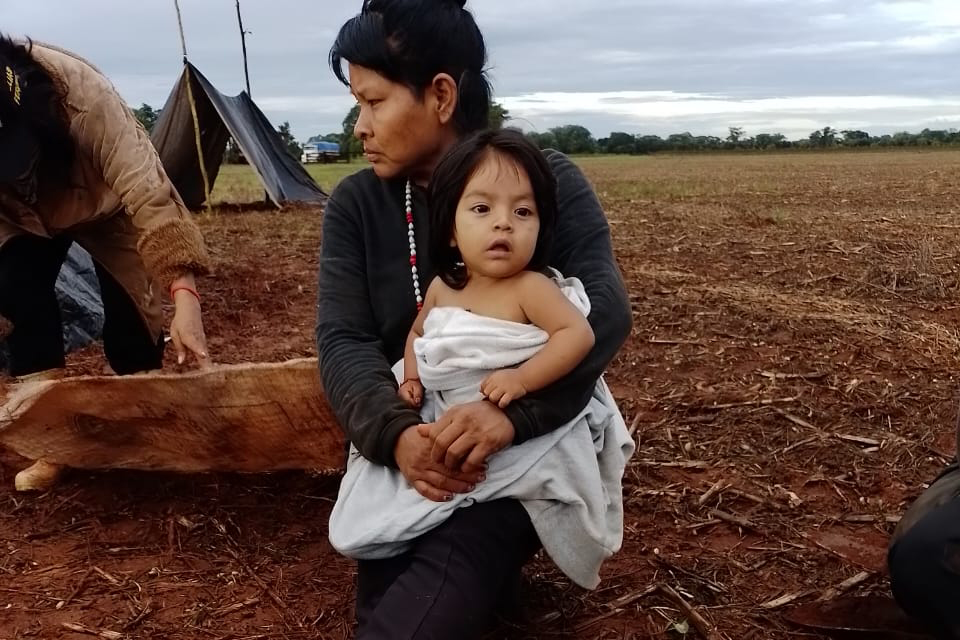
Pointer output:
x,y
534,280
437,285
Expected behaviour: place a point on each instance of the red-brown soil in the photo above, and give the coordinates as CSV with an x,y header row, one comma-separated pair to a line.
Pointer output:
x,y
790,380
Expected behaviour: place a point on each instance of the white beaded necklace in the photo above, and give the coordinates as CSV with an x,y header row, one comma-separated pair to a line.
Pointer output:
x,y
414,274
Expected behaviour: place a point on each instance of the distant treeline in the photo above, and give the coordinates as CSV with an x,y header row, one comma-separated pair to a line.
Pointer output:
x,y
577,139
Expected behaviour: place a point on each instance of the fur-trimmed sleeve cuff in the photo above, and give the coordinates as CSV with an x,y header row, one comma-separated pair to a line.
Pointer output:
x,y
172,249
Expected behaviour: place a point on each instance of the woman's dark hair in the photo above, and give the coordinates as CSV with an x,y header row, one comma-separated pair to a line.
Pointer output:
x,y
450,179
40,111
411,41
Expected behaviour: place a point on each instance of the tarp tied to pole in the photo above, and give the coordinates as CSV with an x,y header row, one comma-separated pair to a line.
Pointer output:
x,y
222,117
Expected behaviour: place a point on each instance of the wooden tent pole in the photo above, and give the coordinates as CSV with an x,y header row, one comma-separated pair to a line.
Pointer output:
x,y
243,45
193,110
246,75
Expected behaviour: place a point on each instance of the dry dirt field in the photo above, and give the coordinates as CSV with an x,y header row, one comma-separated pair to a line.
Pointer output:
x,y
790,382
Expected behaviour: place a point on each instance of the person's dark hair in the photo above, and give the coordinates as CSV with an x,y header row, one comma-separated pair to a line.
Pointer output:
x,y
40,112
411,41
450,179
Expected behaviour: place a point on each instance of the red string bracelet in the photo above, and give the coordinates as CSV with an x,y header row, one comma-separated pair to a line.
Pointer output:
x,y
184,287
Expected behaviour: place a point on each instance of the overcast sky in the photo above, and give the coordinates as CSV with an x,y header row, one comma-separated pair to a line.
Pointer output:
x,y
640,66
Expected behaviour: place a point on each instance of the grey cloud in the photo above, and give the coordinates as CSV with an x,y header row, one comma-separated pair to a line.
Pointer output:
x,y
741,49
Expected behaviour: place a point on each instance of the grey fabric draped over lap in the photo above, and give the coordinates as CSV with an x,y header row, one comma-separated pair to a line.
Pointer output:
x,y
221,117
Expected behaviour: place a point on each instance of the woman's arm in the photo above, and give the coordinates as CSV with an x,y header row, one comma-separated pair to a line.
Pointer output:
x,y
186,328
357,378
169,242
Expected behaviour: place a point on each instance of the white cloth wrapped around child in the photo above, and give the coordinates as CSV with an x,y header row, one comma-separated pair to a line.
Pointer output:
x,y
569,480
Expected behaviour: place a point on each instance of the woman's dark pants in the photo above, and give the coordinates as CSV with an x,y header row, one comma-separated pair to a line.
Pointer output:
x,y
451,583
28,273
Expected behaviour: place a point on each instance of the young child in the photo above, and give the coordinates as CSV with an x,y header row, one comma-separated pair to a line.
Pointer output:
x,y
494,324
493,208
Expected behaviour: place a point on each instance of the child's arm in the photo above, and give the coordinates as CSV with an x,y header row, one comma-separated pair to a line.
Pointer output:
x,y
571,339
410,389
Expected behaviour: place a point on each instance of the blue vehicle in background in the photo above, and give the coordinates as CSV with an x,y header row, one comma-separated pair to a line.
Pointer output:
x,y
320,151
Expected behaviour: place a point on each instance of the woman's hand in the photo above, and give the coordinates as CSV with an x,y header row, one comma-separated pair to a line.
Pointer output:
x,y
186,329
466,435
431,479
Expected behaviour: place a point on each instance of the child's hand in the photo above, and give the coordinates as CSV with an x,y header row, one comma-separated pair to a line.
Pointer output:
x,y
503,387
412,393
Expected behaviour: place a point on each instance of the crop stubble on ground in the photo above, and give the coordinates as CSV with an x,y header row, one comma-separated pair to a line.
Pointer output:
x,y
790,382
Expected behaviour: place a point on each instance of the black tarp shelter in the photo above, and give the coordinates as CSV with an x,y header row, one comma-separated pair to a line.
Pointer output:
x,y
222,117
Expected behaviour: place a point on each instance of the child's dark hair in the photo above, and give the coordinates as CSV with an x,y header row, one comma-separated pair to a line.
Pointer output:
x,y
41,111
450,179
411,41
